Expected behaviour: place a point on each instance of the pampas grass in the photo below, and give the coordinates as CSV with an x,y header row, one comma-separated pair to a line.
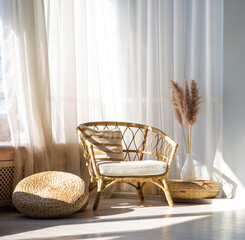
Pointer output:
x,y
186,107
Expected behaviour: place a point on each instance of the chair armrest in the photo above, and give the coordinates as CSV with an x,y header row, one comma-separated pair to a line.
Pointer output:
x,y
92,158
172,152
88,152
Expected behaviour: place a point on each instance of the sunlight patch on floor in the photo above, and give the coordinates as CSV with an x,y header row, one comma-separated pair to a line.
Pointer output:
x,y
133,219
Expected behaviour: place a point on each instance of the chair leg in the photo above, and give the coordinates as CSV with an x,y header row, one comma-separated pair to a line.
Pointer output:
x,y
99,190
140,192
91,185
167,193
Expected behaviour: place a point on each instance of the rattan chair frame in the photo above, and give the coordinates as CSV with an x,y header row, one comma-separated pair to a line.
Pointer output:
x,y
153,142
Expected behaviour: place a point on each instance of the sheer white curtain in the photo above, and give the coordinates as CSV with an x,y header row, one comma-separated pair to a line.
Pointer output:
x,y
26,76
60,66
110,60
84,70
164,40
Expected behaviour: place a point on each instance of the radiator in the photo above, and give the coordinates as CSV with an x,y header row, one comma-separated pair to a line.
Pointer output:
x,y
6,181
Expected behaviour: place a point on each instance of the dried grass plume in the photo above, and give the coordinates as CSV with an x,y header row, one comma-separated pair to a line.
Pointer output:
x,y
196,101
186,106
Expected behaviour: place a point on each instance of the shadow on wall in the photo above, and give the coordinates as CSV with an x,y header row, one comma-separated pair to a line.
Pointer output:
x,y
228,186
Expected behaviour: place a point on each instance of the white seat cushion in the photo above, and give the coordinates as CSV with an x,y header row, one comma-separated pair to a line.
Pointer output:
x,y
132,168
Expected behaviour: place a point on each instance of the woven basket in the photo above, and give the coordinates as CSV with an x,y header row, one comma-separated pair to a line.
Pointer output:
x,y
193,190
50,194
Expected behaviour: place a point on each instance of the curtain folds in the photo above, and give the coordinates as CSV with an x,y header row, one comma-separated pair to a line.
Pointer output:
x,y
67,62
164,40
26,76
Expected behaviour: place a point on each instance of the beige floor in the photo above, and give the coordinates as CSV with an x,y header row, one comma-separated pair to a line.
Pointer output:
x,y
131,219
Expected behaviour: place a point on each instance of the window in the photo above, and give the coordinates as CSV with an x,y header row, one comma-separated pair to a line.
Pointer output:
x,y
4,126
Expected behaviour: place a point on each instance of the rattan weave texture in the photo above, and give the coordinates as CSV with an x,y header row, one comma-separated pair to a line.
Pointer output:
x,y
193,190
50,194
140,142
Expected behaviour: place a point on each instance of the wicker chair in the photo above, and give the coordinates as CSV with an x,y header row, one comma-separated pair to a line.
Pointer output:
x,y
140,143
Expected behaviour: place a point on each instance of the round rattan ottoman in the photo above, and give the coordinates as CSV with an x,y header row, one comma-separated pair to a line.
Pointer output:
x,y
50,194
197,189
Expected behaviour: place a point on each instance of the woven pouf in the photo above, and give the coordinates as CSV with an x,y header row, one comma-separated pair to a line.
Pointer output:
x,y
197,189
50,194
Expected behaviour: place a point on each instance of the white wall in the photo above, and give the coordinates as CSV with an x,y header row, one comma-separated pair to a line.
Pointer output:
x,y
234,91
